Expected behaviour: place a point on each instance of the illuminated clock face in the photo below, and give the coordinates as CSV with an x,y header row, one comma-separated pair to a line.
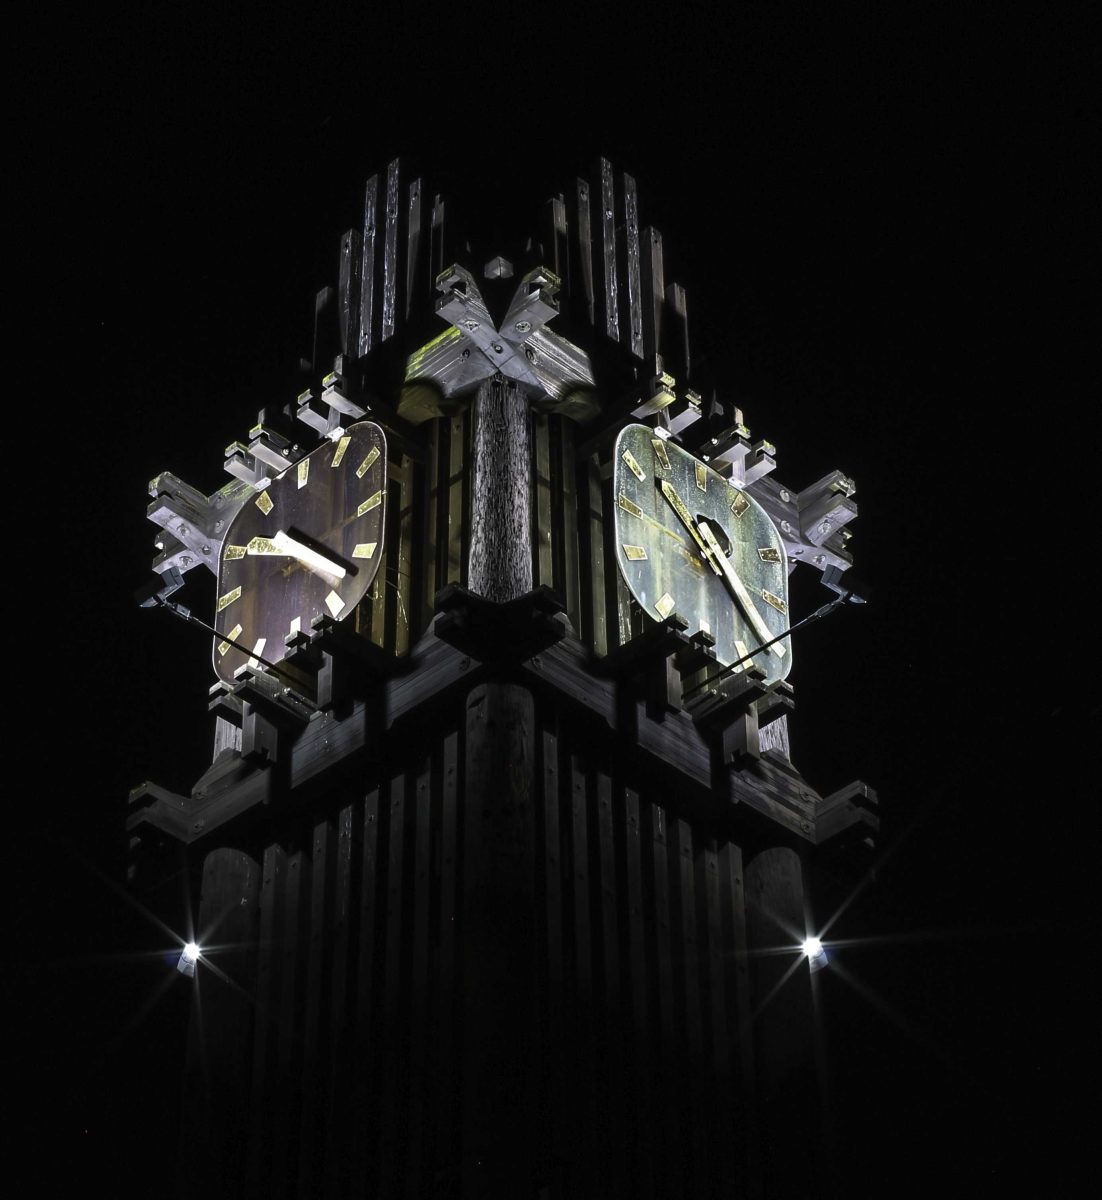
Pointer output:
x,y
309,544
688,541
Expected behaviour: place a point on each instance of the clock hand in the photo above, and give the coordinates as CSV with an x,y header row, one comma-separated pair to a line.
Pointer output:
x,y
738,590
686,519
283,544
713,553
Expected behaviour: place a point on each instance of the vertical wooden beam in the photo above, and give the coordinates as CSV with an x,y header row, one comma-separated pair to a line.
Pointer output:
x,y
315,1031
558,1091
498,933
421,1077
614,1084
220,1046
557,249
437,246
585,250
390,254
584,1017
676,333
783,1018
654,291
632,331
500,566
542,527
403,574
367,337
264,1083
349,289
368,1025
415,281
448,1108
457,498
341,1072
287,1100
693,1112
643,1181
610,297
598,614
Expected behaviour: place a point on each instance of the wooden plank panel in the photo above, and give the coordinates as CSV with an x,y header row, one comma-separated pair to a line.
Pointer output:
x,y
267,1016
367,268
390,254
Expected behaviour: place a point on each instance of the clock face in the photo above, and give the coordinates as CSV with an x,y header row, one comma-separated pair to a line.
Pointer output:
x,y
688,541
309,544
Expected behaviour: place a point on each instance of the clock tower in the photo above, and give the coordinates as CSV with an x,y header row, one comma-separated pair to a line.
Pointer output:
x,y
501,856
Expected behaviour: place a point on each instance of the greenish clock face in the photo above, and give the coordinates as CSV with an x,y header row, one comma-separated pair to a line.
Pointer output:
x,y
307,545
688,541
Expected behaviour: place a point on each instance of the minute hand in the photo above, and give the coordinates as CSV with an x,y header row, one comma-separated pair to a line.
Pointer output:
x,y
738,590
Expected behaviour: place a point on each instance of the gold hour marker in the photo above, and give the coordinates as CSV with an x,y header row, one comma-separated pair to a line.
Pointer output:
x,y
232,552
768,554
742,650
257,649
739,504
303,472
775,601
263,545
364,549
265,503
630,506
701,476
664,605
342,446
229,598
367,463
660,453
705,627
231,637
635,553
370,503
334,603
296,626
636,469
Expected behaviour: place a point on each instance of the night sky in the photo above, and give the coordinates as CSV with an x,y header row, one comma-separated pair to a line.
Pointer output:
x,y
877,225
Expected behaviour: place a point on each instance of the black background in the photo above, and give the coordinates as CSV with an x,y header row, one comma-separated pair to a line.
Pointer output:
x,y
877,221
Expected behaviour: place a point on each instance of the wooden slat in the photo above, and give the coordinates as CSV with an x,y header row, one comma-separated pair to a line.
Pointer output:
x,y
430,553
615,1082
349,832
654,290
403,582
368,1042
314,1031
566,478
610,307
585,250
415,281
390,254
457,515
632,333
595,521
740,1028
421,1077
720,1110
542,533
675,335
437,248
583,997
393,1079
349,289
367,267
639,996
288,1053
447,1100
557,1081
557,249
267,1017
693,1113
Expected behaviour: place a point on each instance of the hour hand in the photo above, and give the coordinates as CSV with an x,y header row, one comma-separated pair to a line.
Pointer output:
x,y
738,590
283,544
686,518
